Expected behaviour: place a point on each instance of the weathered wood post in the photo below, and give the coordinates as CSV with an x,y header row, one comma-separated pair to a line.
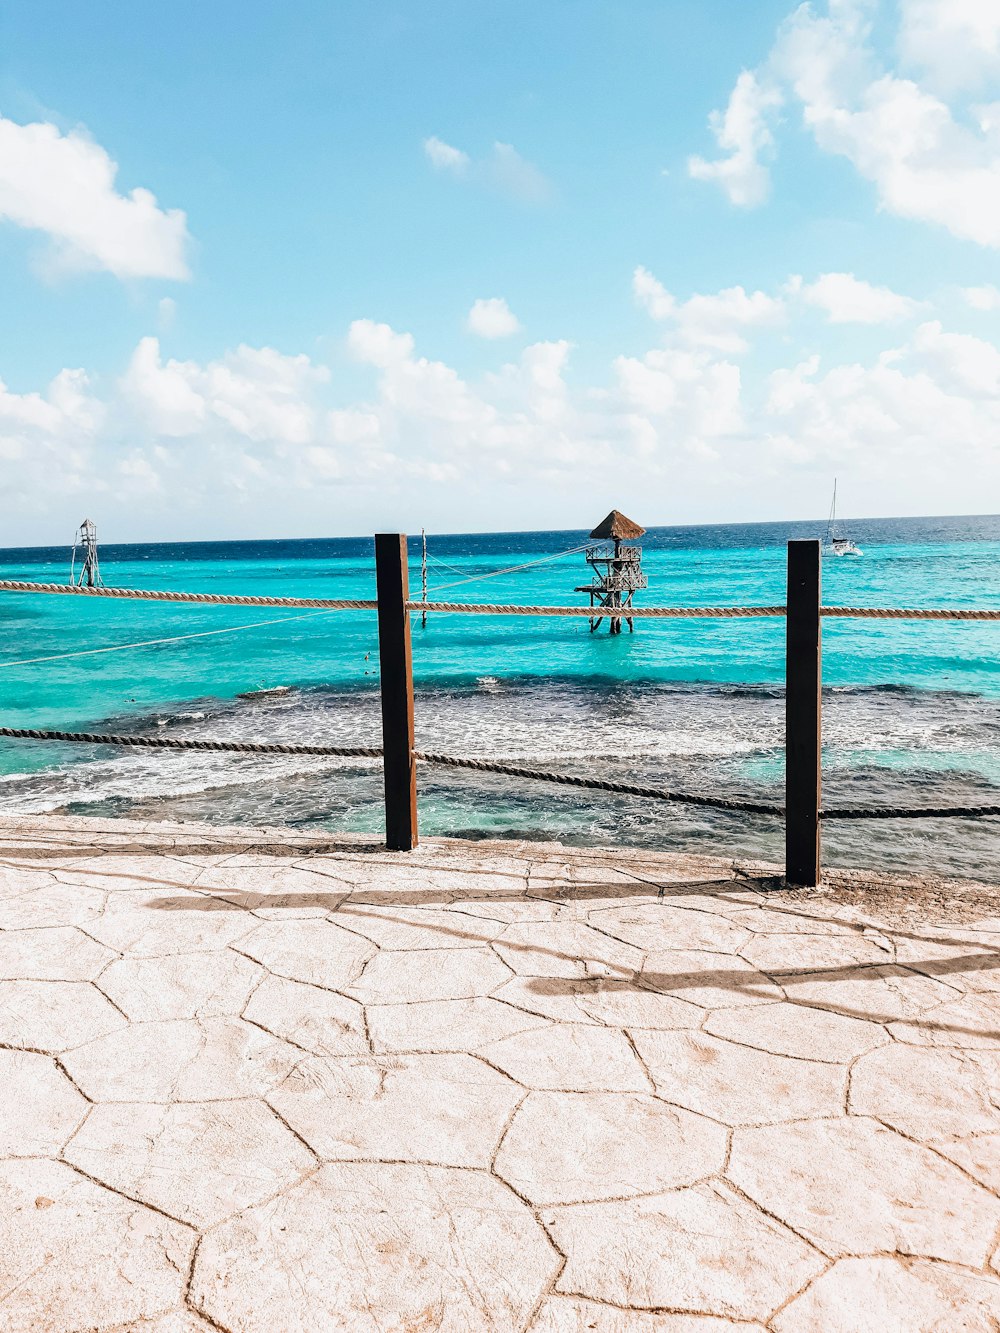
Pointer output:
x,y
803,714
396,677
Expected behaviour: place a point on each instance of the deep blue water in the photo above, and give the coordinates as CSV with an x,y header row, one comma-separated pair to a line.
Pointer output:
x,y
912,710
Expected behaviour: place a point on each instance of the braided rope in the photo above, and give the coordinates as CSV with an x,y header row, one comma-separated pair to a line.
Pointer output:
x,y
920,812
178,743
901,613
488,766
599,784
201,598
502,609
613,613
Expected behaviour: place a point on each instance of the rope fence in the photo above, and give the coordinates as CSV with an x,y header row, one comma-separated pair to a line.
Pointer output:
x,y
803,613
503,608
730,804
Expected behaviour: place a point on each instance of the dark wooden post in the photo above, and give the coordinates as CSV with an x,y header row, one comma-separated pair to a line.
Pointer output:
x,y
803,718
396,673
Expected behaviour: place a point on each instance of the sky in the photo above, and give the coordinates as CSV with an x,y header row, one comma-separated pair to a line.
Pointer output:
x,y
326,267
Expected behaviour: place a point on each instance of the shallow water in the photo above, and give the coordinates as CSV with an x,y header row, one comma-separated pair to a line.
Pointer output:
x,y
912,710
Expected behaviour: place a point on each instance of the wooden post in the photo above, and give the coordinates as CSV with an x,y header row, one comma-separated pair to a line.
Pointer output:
x,y
396,671
803,717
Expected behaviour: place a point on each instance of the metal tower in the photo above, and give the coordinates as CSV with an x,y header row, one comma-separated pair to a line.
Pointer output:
x,y
86,543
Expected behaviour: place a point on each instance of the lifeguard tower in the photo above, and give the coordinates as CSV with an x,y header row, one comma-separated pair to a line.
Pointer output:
x,y
617,572
85,542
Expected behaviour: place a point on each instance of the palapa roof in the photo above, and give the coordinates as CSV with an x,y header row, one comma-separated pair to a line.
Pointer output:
x,y
617,525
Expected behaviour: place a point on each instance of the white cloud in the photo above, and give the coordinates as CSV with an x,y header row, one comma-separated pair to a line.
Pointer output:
x,y
503,170
850,300
954,43
166,312
652,294
63,185
492,317
928,160
513,175
444,157
718,320
743,133
378,344
279,436
257,394
982,298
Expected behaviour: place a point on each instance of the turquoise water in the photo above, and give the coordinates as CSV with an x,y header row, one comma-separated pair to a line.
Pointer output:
x,y
912,711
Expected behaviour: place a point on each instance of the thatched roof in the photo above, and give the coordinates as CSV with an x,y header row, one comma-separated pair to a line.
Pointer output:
x,y
617,525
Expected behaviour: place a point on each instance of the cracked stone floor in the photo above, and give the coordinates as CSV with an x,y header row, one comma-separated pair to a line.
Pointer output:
x,y
251,1080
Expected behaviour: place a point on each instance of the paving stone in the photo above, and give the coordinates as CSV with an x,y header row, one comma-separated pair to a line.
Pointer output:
x,y
179,1321
510,911
314,951
710,980
738,1085
152,924
52,953
76,1256
373,1247
880,993
39,1107
699,1250
565,949
275,891
964,957
792,1029
53,1015
972,1023
447,1109
929,1094
887,1295
445,1025
570,1147
398,977
418,927
603,1000
571,1057
811,953
199,1162
317,1020
113,871
851,1184
777,917
564,1314
182,1061
54,905
181,985
979,1157
655,926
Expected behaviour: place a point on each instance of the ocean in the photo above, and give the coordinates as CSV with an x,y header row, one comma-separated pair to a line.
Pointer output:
x,y
911,710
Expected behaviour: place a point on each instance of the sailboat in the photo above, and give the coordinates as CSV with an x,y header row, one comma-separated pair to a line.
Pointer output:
x,y
835,545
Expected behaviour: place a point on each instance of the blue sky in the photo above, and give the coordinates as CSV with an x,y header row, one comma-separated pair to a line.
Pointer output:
x,y
495,265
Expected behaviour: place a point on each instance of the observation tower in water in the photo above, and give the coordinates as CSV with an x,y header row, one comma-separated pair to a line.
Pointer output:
x,y
86,543
617,572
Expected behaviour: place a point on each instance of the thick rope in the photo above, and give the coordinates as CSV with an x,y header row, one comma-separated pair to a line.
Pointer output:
x,y
919,812
178,743
598,784
504,609
201,598
910,613
488,766
618,613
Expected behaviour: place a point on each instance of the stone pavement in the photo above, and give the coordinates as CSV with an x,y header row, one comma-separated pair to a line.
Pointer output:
x,y
261,1081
